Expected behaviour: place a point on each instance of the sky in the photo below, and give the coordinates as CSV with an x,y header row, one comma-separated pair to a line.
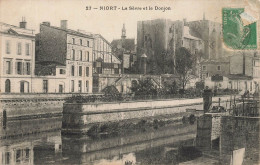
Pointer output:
x,y
108,23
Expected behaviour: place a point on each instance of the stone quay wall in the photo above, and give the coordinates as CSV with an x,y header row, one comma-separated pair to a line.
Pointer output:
x,y
77,117
29,106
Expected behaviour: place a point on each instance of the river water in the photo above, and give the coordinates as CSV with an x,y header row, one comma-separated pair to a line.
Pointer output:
x,y
172,144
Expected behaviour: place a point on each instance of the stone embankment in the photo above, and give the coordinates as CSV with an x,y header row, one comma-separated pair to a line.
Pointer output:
x,y
78,117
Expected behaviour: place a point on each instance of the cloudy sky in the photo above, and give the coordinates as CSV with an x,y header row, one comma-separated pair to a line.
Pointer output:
x,y
108,23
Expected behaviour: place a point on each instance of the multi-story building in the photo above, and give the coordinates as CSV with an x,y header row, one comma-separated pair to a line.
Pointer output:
x,y
106,66
17,58
212,67
65,52
243,72
104,61
159,39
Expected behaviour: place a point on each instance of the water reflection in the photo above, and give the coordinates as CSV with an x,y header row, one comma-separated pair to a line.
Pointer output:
x,y
173,144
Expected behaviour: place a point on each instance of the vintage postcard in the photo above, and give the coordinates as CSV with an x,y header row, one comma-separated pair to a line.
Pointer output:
x,y
130,82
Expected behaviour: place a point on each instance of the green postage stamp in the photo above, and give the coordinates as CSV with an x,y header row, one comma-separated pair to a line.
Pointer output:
x,y
239,29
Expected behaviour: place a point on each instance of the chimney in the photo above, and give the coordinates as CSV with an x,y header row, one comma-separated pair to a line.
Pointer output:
x,y
63,24
46,23
23,23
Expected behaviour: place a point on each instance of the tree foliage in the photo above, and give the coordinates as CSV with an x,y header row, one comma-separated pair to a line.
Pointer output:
x,y
184,62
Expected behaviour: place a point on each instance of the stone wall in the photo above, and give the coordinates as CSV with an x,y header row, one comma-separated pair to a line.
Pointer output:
x,y
20,106
78,117
30,126
237,133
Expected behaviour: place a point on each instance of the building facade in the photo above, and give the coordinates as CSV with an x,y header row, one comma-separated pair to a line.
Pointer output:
x,y
17,58
69,52
104,60
106,65
211,67
242,74
159,39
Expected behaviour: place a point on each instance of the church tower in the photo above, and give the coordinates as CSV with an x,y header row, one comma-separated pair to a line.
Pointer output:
x,y
123,32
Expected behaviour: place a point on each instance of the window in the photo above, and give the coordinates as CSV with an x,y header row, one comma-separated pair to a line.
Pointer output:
x,y
98,67
27,49
73,40
19,48
28,68
87,71
80,70
230,84
87,43
204,67
80,86
196,51
72,85
80,55
8,67
7,86
80,41
19,67
27,153
73,55
218,67
45,86
18,155
72,70
7,47
22,87
6,157
87,85
60,88
62,71
87,56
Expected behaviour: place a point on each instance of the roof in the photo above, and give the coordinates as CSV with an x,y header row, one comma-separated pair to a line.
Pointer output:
x,y
239,77
15,30
213,61
127,44
72,32
100,36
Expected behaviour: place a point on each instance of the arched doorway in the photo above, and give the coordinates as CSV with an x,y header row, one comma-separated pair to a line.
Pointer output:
x,y
7,86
